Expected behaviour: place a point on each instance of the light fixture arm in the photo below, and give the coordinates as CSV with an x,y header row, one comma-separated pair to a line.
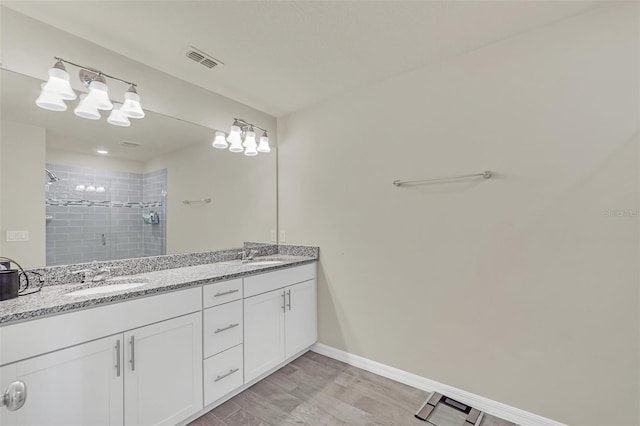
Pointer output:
x,y
98,72
244,123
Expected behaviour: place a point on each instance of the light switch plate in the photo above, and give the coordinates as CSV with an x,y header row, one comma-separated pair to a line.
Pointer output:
x,y
283,236
274,236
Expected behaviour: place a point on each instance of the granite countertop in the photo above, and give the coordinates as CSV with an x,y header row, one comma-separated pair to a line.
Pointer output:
x,y
53,299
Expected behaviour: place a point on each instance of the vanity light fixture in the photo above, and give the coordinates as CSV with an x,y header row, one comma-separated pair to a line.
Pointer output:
x,y
57,89
50,100
86,110
249,145
219,141
118,117
102,151
263,146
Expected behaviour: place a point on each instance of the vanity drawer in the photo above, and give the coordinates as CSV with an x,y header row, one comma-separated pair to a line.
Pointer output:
x,y
223,373
221,292
262,283
222,327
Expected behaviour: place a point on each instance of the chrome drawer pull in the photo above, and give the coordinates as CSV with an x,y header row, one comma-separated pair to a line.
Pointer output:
x,y
226,328
118,358
226,375
224,293
132,342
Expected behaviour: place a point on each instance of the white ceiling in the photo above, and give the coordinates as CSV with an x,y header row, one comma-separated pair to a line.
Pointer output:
x,y
282,56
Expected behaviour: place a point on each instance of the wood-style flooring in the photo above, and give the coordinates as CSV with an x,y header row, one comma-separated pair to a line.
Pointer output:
x,y
316,390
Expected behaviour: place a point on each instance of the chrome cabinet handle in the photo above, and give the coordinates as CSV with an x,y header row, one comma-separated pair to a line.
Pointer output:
x,y
226,328
224,293
284,301
132,342
118,358
289,304
217,379
15,396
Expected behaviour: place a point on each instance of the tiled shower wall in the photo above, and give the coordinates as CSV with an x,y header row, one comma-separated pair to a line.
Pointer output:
x,y
154,237
81,234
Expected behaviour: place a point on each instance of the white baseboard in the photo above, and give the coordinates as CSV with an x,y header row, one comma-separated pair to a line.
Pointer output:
x,y
487,405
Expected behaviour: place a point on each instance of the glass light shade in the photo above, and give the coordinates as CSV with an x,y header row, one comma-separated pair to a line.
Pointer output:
x,y
249,139
117,117
236,146
99,95
80,187
100,189
264,144
91,188
131,107
86,110
251,150
219,141
234,136
58,83
51,101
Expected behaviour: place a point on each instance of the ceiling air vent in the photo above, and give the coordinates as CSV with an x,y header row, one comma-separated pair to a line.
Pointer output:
x,y
202,58
129,144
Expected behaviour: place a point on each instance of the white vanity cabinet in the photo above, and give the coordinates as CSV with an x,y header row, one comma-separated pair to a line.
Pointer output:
x,y
148,375
223,337
160,360
163,371
81,385
280,317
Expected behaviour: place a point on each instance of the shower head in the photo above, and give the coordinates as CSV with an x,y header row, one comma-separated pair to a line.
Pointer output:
x,y
51,177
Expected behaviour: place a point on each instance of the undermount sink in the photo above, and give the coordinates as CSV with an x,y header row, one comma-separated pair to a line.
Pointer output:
x,y
265,262
109,288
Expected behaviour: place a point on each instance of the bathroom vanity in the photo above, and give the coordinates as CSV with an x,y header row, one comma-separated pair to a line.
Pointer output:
x,y
161,353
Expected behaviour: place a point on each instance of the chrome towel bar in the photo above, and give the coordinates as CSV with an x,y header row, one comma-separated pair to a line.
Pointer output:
x,y
486,174
202,201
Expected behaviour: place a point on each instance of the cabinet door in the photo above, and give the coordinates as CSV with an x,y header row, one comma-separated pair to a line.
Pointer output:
x,y
301,329
81,385
163,382
263,333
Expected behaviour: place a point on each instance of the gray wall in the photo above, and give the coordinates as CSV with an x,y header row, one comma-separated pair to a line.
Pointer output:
x,y
75,233
522,288
22,156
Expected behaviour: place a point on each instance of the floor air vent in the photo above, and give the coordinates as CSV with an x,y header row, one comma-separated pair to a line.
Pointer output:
x,y
202,58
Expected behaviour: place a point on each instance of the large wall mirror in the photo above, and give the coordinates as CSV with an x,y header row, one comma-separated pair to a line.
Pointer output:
x,y
161,189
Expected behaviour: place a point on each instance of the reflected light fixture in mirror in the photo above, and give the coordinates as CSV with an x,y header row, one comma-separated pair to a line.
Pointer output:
x,y
57,89
264,143
249,145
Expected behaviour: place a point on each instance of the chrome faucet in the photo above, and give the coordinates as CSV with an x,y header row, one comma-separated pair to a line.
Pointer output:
x,y
93,273
248,255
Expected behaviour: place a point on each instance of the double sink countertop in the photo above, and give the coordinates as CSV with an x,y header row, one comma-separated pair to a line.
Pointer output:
x,y
56,299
